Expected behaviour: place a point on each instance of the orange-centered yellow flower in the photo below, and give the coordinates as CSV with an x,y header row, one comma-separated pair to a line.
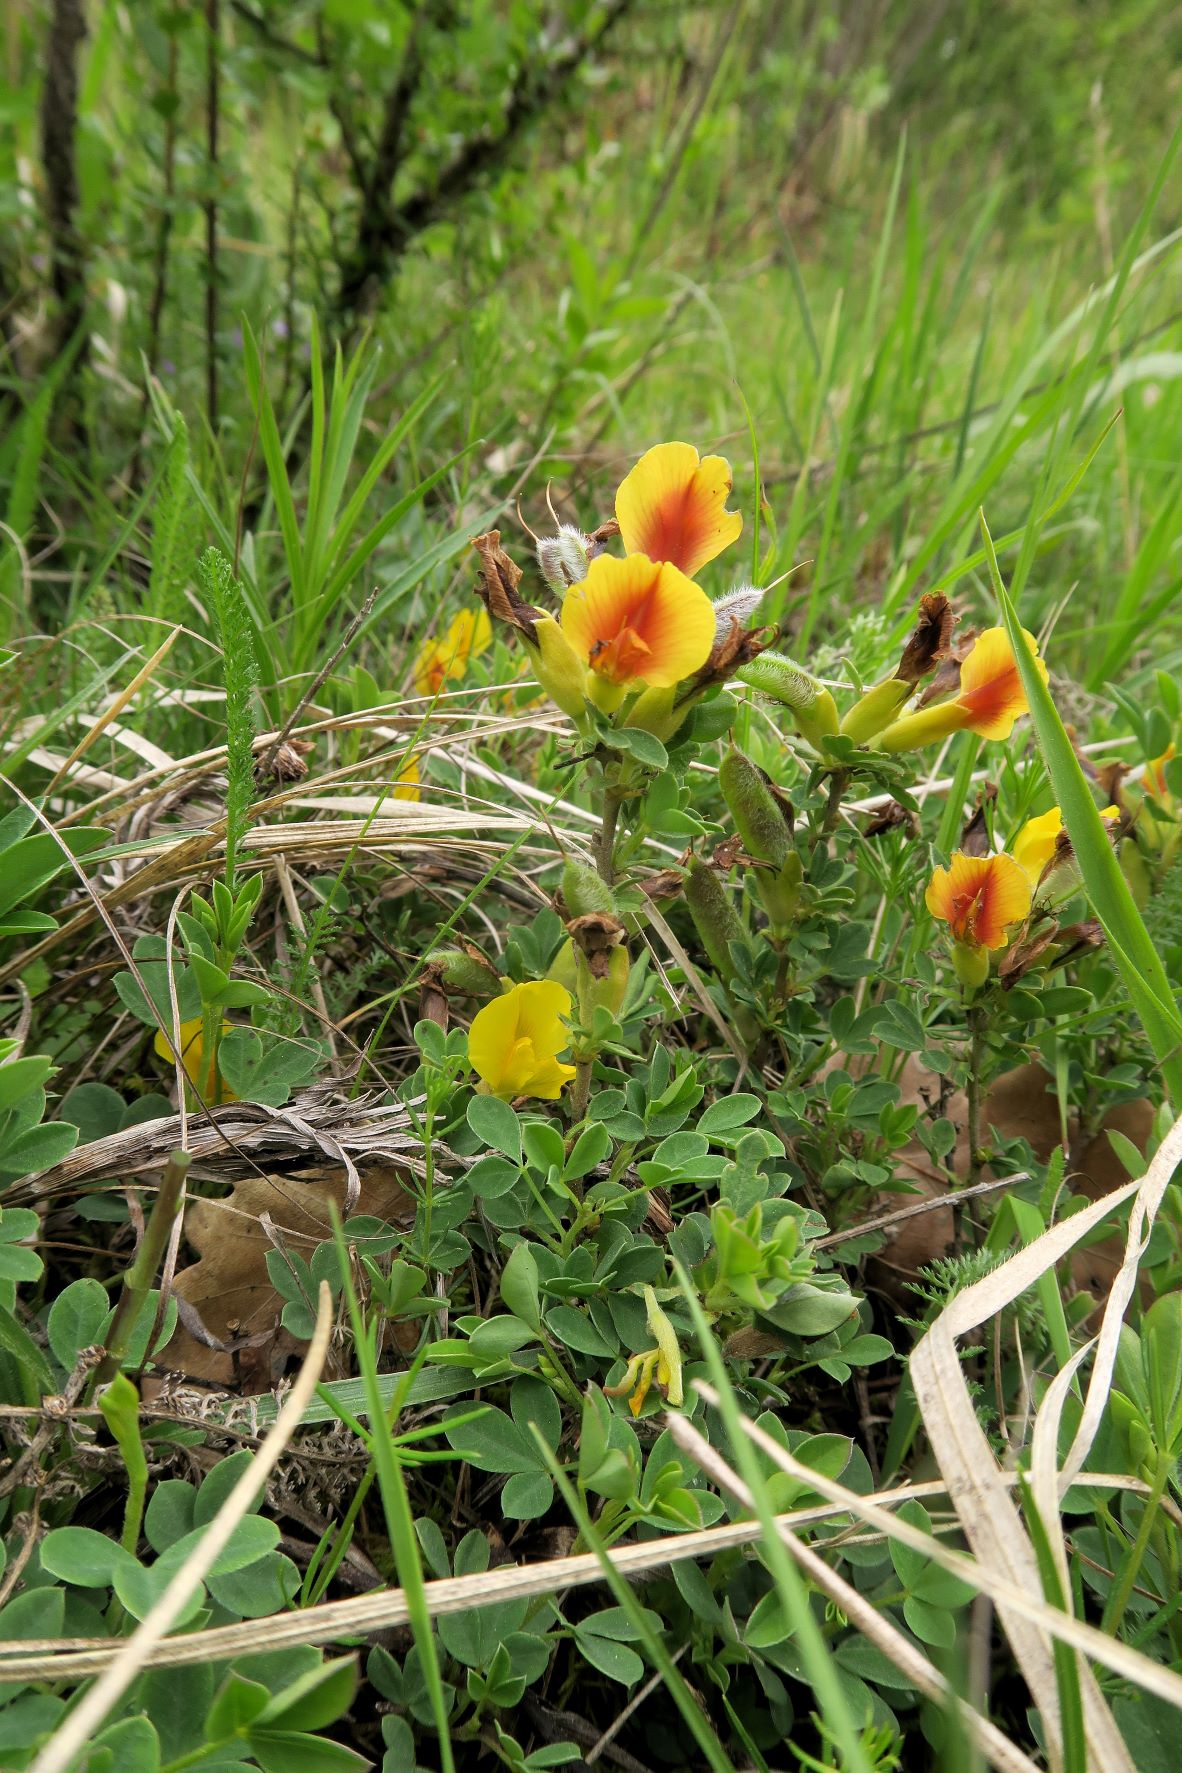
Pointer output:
x,y
201,1072
514,1041
637,621
979,897
672,506
1035,843
447,656
989,700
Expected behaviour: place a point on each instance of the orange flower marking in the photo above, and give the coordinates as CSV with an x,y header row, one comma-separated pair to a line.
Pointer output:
x,y
672,507
1155,776
979,897
991,691
638,621
988,701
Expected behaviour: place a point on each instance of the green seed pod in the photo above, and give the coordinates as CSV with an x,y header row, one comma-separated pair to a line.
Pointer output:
x,y
971,965
715,918
758,816
609,991
466,972
563,968
585,893
780,892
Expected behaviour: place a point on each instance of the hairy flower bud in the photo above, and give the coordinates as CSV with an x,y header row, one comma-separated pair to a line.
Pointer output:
x,y
564,558
737,606
464,970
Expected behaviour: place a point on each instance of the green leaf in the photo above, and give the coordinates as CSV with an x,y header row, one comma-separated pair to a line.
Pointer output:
x,y
16,1341
287,1751
495,1125
527,1495
83,1557
519,1285
611,1658
264,1067
237,1704
729,1112
75,1318
316,1700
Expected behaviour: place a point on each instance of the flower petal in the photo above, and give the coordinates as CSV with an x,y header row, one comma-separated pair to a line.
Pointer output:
x,y
514,1041
639,621
991,691
978,897
1034,845
672,506
467,633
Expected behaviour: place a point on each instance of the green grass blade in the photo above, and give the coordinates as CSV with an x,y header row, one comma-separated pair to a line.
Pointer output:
x,y
1132,947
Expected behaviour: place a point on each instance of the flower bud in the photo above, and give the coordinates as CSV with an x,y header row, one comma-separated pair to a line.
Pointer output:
x,y
586,895
609,990
558,668
970,964
737,606
564,558
758,816
876,709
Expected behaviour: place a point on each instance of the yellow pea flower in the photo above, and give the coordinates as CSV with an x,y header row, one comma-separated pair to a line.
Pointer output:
x,y
201,1072
514,1042
634,622
407,785
662,1363
447,656
672,506
988,701
1035,844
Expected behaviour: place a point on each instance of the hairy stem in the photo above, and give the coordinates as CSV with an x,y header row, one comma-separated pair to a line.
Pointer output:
x,y
138,1280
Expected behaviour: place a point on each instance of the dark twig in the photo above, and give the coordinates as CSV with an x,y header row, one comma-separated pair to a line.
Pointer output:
x,y
59,127
315,58
212,106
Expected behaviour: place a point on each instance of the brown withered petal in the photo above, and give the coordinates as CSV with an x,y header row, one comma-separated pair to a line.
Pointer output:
x,y
665,884
736,648
287,765
931,640
595,935
891,818
974,839
1109,778
1021,955
944,684
725,854
599,538
497,590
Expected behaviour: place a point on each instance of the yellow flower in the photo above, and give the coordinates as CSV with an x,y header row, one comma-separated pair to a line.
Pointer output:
x,y
1035,843
407,785
447,657
202,1073
514,1042
978,897
637,621
988,701
662,1363
671,507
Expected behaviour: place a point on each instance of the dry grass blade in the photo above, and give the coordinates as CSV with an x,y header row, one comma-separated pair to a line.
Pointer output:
x,y
991,1521
241,1137
51,1659
134,1653
1113,1654
142,676
1150,1190
874,1625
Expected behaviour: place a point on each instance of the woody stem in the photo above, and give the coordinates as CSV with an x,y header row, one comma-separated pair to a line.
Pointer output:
x,y
605,843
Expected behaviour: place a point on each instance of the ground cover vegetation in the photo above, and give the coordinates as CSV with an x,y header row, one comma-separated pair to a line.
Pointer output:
x,y
590,902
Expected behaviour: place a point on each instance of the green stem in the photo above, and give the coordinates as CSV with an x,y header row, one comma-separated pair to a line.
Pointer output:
x,y
605,846
1118,1600
138,1280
